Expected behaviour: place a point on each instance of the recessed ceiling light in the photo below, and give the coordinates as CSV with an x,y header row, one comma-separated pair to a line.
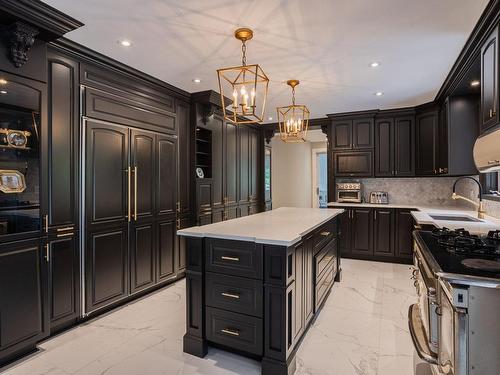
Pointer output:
x,y
475,83
3,92
379,93
375,64
196,80
3,81
270,118
125,43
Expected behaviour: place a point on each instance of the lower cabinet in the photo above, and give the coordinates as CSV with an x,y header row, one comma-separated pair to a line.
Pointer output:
x,y
165,264
24,298
376,233
64,280
180,245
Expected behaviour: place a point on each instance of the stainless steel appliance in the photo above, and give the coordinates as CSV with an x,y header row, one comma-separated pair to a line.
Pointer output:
x,y
487,152
349,192
454,325
379,197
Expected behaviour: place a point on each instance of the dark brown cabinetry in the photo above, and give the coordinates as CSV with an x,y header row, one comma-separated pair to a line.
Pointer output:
x,y
490,55
383,234
352,134
394,146
428,143
353,164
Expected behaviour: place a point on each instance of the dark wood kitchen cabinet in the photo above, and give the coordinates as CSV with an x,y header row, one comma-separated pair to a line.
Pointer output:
x,y
394,146
352,164
230,164
24,297
64,280
244,165
428,143
184,170
490,94
382,234
352,134
166,242
255,167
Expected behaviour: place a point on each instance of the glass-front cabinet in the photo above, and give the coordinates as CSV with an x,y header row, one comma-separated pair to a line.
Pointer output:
x,y
19,157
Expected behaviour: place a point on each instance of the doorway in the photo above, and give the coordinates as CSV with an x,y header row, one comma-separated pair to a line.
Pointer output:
x,y
319,178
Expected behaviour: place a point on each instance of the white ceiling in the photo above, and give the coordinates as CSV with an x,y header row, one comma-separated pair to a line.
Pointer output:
x,y
326,44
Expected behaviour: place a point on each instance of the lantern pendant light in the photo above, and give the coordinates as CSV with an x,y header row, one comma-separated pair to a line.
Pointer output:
x,y
243,89
293,119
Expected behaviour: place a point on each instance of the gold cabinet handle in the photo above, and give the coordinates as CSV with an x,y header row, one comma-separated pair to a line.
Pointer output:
x,y
325,234
230,295
232,259
178,206
47,253
64,229
65,234
231,332
46,223
178,224
129,216
135,193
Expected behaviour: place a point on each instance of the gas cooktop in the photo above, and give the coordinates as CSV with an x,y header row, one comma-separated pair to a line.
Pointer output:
x,y
460,252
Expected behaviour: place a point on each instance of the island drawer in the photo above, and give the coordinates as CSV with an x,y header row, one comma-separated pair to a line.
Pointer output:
x,y
324,234
323,258
323,285
235,294
233,330
238,258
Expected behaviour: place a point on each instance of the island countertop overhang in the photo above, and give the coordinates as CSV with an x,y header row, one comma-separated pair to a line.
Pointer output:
x,y
284,226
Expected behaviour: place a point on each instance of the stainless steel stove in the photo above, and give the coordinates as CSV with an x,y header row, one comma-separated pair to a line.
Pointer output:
x,y
454,326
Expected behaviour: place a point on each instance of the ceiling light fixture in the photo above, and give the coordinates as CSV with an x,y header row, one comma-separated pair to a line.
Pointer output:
x,y
125,43
475,83
379,93
3,81
247,85
375,64
196,80
293,120
3,92
270,118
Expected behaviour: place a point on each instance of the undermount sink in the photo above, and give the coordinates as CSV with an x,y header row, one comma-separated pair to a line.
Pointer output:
x,y
455,218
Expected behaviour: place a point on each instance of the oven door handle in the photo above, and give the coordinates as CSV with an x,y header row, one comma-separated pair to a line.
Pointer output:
x,y
419,337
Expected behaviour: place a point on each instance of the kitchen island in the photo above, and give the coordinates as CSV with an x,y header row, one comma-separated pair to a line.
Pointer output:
x,y
254,284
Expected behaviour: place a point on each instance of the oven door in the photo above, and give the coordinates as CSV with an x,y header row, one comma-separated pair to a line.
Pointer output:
x,y
453,353
349,196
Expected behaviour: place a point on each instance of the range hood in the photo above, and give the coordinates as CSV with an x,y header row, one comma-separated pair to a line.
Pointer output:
x,y
487,152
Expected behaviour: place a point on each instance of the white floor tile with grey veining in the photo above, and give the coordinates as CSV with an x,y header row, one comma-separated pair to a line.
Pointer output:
x,y
362,330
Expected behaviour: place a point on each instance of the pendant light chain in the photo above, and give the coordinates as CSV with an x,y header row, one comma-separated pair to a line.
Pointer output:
x,y
244,53
293,95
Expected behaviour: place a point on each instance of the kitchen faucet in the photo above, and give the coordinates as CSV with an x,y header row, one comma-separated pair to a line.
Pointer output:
x,y
480,207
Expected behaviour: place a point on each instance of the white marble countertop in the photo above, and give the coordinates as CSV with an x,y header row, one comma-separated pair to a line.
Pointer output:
x,y
283,226
423,216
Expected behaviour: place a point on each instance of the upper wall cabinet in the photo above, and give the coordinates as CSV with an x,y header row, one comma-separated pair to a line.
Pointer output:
x,y
489,82
352,134
428,143
120,99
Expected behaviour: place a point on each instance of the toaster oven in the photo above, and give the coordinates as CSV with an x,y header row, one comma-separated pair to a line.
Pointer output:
x,y
349,192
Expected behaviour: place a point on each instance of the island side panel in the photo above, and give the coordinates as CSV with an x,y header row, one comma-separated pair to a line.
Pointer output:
x,y
194,340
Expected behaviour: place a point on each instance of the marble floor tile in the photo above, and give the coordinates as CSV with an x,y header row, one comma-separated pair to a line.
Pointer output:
x,y
361,330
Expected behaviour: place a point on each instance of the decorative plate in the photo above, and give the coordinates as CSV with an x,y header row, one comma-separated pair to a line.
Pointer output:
x,y
199,173
12,181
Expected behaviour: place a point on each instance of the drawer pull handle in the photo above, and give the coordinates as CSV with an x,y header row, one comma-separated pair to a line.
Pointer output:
x,y
65,229
230,295
64,234
232,259
325,234
231,332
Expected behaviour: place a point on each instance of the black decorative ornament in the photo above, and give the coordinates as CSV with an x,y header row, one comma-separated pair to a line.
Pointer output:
x,y
20,37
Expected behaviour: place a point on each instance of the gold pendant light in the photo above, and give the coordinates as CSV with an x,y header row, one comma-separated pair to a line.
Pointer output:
x,y
293,119
246,85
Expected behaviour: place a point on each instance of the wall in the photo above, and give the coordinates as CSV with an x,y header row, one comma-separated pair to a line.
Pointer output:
x,y
292,173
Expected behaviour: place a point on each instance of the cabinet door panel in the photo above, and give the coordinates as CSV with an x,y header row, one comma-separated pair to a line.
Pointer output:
x,y
181,245
107,268
404,237
166,164
231,163
353,164
216,126
384,147
23,295
142,257
345,233
427,143
362,133
341,135
489,82
383,230
309,280
64,278
106,173
166,248
362,231
254,164
63,141
404,146
184,158
142,147
244,158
